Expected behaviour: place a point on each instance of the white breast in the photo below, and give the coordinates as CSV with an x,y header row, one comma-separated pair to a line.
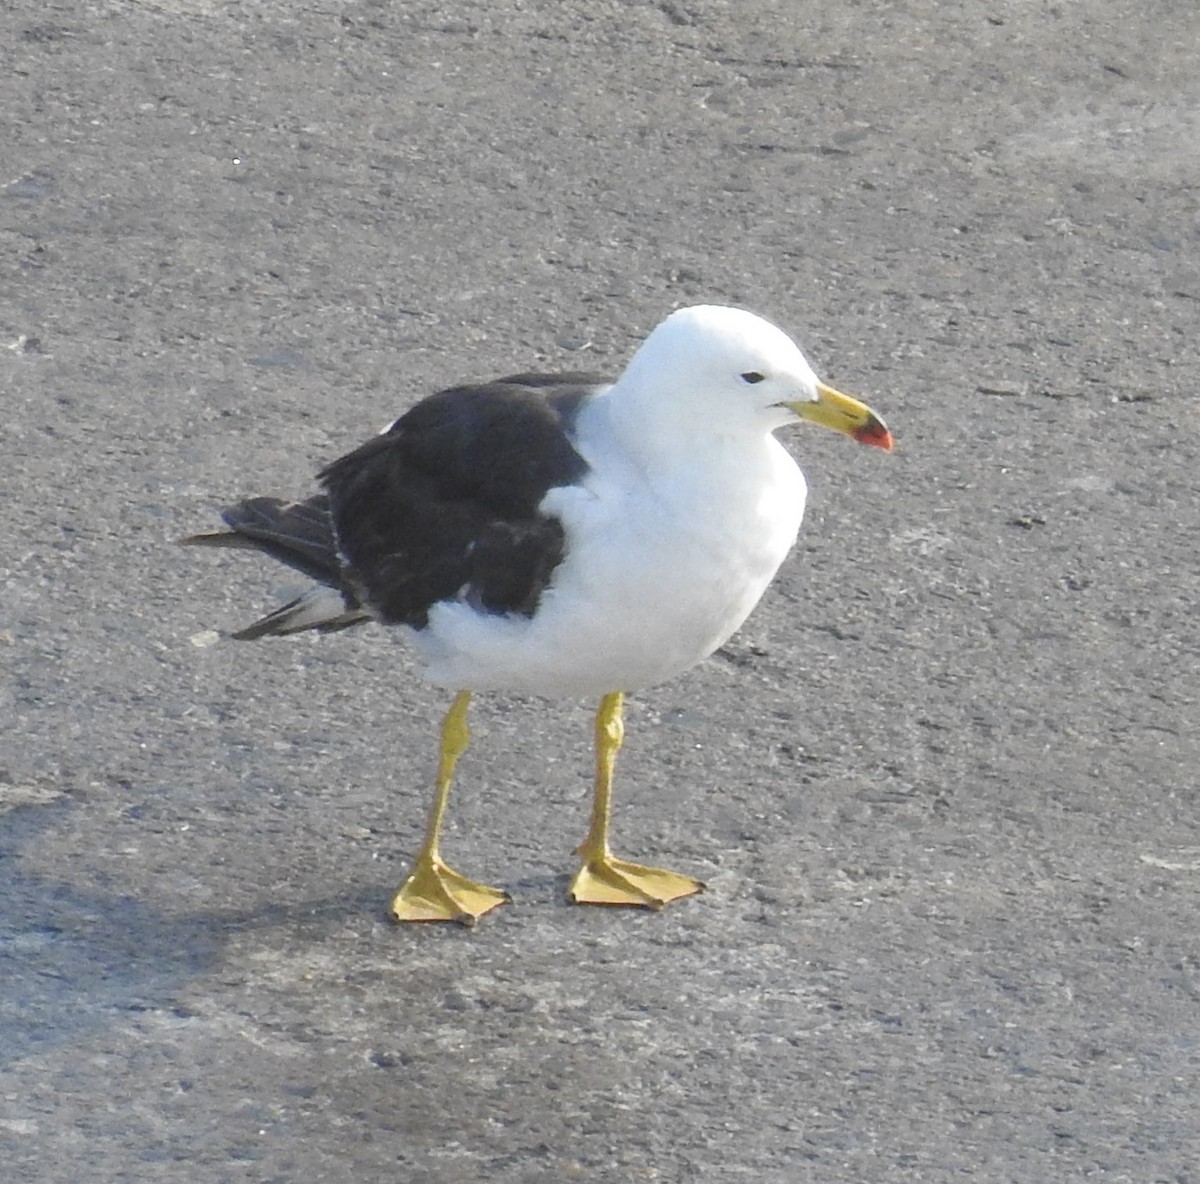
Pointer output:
x,y
660,571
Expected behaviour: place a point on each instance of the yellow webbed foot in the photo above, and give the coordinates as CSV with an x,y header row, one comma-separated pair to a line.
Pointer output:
x,y
435,892
605,879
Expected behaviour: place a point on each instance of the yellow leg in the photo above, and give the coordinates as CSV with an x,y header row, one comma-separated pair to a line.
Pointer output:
x,y
603,878
433,892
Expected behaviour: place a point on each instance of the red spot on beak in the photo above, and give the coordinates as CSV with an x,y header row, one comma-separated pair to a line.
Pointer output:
x,y
875,433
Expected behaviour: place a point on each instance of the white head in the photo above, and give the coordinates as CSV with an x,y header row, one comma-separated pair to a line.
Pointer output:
x,y
725,371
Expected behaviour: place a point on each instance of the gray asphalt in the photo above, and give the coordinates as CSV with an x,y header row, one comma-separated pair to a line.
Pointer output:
x,y
942,786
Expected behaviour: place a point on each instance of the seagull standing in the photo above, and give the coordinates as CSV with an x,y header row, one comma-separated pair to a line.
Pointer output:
x,y
562,535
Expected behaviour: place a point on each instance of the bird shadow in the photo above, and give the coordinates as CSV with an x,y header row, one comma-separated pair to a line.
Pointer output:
x,y
73,963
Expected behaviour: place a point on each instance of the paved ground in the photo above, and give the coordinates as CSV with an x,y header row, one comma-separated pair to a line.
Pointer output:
x,y
942,785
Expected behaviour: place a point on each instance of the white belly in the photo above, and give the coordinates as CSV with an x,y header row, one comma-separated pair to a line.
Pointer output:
x,y
655,579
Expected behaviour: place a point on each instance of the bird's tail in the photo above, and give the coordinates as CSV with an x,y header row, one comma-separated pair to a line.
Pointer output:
x,y
299,534
323,609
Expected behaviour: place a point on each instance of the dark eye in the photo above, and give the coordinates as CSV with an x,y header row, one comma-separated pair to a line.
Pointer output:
x,y
753,376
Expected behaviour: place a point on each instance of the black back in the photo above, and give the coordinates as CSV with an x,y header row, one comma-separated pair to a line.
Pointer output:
x,y
446,500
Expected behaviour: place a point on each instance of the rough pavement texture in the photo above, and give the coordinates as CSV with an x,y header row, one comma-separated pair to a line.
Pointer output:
x,y
942,785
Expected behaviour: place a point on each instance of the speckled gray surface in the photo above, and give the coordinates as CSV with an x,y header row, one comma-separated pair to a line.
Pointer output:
x,y
943,784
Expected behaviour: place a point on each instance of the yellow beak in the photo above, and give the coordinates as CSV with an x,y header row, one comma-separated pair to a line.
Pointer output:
x,y
834,410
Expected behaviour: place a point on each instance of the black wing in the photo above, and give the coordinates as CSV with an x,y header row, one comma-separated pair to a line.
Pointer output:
x,y
446,501
299,534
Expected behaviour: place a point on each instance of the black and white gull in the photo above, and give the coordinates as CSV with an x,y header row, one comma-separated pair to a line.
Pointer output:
x,y
562,535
